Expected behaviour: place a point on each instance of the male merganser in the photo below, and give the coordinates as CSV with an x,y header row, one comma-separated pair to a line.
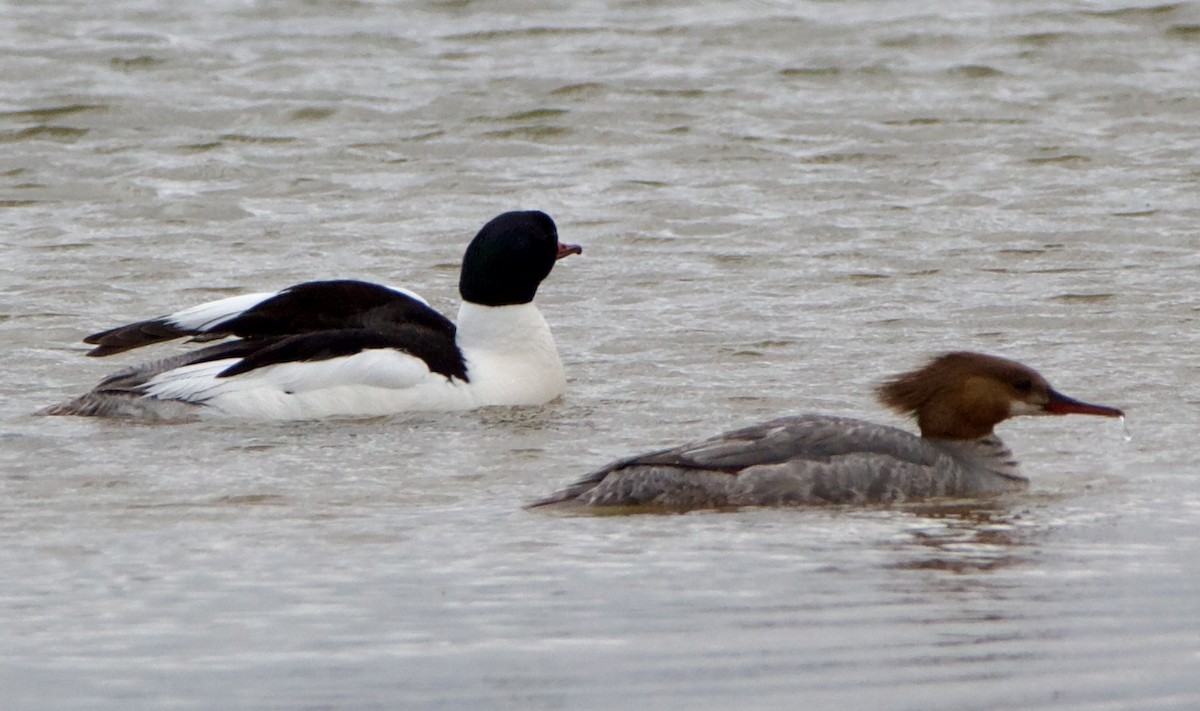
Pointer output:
x,y
351,348
957,399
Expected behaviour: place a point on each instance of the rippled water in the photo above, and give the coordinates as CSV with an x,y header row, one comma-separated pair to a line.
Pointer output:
x,y
780,203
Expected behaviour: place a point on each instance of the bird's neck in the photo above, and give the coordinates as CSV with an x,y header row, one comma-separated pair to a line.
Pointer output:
x,y
502,329
987,454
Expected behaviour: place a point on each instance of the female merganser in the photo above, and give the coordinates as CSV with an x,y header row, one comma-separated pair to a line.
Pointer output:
x,y
817,459
351,348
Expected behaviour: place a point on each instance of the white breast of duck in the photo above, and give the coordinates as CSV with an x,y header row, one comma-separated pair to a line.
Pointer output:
x,y
819,459
510,355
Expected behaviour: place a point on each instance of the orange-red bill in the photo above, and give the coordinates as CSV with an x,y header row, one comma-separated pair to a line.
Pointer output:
x,y
566,249
1060,404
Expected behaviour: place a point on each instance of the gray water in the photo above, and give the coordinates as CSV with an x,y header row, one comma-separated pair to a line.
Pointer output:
x,y
780,204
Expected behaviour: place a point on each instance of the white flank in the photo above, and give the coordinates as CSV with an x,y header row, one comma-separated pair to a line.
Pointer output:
x,y
373,382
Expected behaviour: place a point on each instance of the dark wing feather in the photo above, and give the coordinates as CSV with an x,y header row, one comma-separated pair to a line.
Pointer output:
x,y
808,437
436,348
134,335
331,305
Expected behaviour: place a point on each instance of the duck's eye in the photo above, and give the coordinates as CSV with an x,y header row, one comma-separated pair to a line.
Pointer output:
x,y
1023,385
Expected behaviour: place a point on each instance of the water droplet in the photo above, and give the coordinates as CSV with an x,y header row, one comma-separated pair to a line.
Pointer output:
x,y
1125,429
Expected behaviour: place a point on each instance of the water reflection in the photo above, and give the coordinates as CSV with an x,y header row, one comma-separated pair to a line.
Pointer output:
x,y
964,536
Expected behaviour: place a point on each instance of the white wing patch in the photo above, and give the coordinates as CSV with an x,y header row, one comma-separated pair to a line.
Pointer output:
x,y
410,294
207,316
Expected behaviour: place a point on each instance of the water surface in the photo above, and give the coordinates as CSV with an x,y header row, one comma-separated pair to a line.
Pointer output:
x,y
780,204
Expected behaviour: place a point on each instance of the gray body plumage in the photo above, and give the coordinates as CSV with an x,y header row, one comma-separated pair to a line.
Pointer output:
x,y
801,460
120,394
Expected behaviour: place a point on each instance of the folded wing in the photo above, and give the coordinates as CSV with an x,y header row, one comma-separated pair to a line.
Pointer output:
x,y
304,308
815,452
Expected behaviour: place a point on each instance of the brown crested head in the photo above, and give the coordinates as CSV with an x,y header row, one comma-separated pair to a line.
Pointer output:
x,y
964,395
